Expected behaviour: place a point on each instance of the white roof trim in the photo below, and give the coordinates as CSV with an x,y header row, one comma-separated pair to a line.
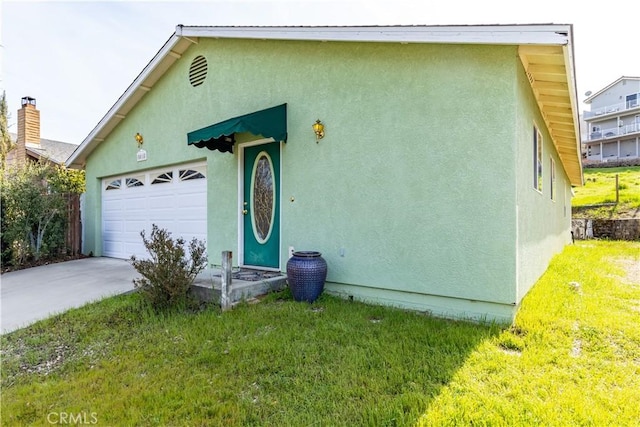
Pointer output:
x,y
483,34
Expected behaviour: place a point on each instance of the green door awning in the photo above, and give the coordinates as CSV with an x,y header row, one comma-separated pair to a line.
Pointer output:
x,y
270,123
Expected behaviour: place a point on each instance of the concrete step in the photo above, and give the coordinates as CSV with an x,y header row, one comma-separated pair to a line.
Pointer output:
x,y
207,285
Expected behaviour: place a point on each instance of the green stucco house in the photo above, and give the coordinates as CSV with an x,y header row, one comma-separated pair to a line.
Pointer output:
x,y
441,181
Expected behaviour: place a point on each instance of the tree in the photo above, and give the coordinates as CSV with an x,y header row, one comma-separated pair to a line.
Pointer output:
x,y
5,139
34,206
64,180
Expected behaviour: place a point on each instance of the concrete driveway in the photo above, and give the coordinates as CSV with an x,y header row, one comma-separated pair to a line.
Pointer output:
x,y
36,293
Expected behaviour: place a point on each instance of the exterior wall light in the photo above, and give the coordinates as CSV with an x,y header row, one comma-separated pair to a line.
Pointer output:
x,y
318,128
139,139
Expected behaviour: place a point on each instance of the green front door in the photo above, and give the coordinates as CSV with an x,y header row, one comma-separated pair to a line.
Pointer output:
x,y
261,205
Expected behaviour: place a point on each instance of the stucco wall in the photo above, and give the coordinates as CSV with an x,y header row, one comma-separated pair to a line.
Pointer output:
x,y
544,225
414,181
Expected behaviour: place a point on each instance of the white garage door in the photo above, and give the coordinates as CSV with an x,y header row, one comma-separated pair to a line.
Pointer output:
x,y
174,198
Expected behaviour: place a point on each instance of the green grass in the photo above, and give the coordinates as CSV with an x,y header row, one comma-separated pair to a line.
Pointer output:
x,y
576,357
572,357
600,187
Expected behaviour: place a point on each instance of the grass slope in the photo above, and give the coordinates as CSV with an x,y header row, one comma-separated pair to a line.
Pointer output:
x,y
572,357
600,187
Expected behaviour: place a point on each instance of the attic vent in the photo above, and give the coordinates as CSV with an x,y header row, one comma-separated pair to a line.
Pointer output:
x,y
198,71
530,77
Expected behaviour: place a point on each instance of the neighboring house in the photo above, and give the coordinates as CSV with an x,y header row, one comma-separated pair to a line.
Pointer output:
x,y
613,122
28,146
442,183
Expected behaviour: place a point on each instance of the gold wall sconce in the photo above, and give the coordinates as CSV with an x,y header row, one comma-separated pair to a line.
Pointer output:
x,y
318,129
139,139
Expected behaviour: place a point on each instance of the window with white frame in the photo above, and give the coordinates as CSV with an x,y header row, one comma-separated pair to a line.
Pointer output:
x,y
537,159
189,174
116,184
134,181
162,178
552,173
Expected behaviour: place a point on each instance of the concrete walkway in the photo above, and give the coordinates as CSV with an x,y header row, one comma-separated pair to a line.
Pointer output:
x,y
36,293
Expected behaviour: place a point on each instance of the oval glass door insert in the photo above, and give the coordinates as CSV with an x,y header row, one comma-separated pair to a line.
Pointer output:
x,y
263,197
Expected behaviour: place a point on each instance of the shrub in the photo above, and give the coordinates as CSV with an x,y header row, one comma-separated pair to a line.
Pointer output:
x,y
168,274
34,200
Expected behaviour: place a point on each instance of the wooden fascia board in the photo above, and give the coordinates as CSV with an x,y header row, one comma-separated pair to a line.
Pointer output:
x,y
569,65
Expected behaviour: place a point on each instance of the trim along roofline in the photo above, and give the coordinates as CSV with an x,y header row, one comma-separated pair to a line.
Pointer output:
x,y
465,34
559,36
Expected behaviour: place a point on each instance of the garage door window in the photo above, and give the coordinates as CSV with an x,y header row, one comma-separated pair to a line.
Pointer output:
x,y
162,178
188,174
134,182
114,185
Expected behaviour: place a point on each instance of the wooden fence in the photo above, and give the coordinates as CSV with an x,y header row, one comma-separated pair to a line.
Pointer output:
x,y
73,238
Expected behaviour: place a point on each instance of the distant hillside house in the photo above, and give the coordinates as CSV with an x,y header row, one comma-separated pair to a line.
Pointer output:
x,y
28,146
441,181
613,123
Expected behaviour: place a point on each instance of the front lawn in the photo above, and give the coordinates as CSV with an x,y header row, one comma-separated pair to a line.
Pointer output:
x,y
571,358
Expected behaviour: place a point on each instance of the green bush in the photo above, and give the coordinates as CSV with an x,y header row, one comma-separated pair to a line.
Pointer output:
x,y
34,199
168,274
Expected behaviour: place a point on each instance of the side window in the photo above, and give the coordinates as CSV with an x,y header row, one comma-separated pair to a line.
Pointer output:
x,y
537,160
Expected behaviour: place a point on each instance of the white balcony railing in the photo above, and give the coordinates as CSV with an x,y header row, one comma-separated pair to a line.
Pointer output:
x,y
614,132
622,106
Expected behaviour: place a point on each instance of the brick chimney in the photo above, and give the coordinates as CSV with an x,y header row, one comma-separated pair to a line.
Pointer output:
x,y
28,131
28,122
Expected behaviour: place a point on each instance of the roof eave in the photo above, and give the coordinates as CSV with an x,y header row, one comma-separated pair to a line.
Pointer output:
x,y
551,73
170,52
481,34
576,179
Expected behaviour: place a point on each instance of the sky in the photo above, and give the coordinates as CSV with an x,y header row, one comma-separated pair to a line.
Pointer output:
x,y
78,57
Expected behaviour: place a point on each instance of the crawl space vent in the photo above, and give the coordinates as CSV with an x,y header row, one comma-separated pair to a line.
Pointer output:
x,y
198,71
